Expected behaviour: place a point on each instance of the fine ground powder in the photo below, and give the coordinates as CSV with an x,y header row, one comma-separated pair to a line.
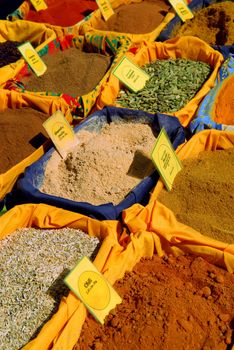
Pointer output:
x,y
104,167
136,18
213,24
170,304
21,132
223,108
71,72
203,194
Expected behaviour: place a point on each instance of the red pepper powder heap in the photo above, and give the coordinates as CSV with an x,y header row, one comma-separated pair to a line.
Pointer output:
x,y
63,13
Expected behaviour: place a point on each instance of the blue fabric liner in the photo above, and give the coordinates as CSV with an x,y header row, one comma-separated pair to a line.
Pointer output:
x,y
26,190
194,6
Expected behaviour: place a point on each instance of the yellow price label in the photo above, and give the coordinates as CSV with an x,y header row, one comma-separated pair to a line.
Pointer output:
x,y
60,132
39,4
130,74
32,58
105,8
165,159
91,287
182,10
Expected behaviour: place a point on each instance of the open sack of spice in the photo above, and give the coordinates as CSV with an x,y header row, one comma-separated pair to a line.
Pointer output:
x,y
14,34
212,22
108,170
76,70
181,70
137,19
23,138
39,245
216,110
201,198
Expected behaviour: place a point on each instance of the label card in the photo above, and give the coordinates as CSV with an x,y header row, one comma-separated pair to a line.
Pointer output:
x,y
182,10
130,74
60,132
32,58
91,287
105,8
39,4
165,159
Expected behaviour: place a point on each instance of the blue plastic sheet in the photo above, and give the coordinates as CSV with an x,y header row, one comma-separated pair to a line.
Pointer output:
x,y
26,190
203,119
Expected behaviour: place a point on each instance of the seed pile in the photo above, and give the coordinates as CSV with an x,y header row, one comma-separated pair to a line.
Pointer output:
x,y
71,71
9,52
33,264
172,84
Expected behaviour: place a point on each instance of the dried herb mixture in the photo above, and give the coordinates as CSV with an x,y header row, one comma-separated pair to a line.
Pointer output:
x,y
33,264
172,84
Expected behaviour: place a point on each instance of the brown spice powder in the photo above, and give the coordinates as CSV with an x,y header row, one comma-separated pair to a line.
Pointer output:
x,y
213,24
203,194
136,18
21,132
168,304
104,167
71,71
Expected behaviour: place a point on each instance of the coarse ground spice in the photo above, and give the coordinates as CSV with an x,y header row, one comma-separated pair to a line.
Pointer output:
x,y
71,71
63,13
9,52
33,264
172,84
223,110
104,167
203,194
168,304
21,132
136,18
213,24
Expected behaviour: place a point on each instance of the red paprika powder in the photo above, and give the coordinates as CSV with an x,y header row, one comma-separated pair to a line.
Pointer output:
x,y
63,13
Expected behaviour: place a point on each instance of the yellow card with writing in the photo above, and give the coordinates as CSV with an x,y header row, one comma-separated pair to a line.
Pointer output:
x,y
182,9
39,4
105,8
165,159
130,74
91,287
60,132
33,59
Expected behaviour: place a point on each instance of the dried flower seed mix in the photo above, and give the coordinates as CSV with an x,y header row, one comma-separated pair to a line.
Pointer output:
x,y
71,71
104,167
9,52
33,263
172,84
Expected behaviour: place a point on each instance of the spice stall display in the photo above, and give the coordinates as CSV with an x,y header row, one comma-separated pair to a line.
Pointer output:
x,y
13,34
153,15
76,71
180,50
22,139
216,110
108,171
212,22
47,241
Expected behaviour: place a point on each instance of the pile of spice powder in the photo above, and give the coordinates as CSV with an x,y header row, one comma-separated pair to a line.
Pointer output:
x,y
104,166
71,71
135,18
63,13
33,265
172,84
172,303
9,52
223,107
21,132
202,196
213,24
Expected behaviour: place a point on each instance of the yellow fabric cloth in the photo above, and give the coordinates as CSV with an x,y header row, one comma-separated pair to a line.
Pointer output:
x,y
184,47
13,99
88,27
38,34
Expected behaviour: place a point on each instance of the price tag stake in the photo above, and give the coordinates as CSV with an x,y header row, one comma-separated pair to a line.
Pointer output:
x,y
32,58
39,4
182,10
105,8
